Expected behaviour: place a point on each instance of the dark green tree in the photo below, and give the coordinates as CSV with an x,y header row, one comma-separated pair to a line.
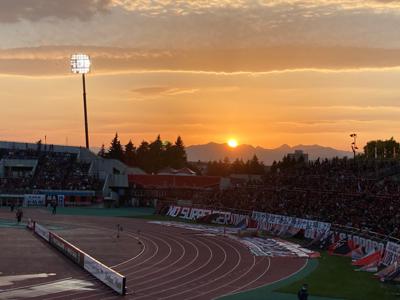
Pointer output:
x,y
156,155
379,149
130,154
255,167
102,151
176,154
116,151
142,156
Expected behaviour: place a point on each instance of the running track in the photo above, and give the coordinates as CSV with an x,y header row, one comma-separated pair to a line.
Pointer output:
x,y
176,263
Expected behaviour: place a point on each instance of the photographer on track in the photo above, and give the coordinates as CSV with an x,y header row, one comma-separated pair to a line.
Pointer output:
x,y
303,293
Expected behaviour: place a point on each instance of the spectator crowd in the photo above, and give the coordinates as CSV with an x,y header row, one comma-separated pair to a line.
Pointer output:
x,y
362,194
54,171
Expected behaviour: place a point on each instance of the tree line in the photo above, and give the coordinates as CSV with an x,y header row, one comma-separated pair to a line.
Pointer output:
x,y
156,155
149,156
238,166
379,149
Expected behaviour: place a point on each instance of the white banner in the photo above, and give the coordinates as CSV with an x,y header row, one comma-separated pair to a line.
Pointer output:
x,y
42,231
34,200
61,200
106,275
265,219
368,244
189,213
392,254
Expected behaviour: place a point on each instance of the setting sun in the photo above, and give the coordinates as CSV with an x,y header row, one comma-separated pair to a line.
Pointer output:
x,y
232,143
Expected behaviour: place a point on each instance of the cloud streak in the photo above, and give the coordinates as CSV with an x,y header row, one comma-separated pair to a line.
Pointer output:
x,y
44,61
34,10
163,91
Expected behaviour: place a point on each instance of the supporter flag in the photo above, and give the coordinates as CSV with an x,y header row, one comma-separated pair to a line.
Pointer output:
x,y
336,244
283,230
324,242
394,275
292,231
251,223
242,225
357,253
386,271
299,234
372,267
162,210
208,218
343,248
368,259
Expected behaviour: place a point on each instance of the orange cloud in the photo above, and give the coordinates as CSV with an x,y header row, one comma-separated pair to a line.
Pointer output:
x,y
55,60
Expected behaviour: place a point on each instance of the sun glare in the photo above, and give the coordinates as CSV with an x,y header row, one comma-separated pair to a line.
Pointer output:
x,y
232,143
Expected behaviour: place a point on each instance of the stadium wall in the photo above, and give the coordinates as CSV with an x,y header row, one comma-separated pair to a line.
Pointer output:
x,y
106,275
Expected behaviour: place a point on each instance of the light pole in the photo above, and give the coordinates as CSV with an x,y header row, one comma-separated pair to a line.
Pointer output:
x,y
353,144
80,64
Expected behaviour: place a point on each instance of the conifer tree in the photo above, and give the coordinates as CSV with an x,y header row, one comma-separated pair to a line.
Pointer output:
x,y
116,151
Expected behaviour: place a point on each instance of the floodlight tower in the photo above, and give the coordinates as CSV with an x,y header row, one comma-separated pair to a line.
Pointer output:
x,y
354,147
80,64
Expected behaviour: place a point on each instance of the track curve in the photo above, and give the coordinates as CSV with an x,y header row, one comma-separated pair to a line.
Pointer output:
x,y
176,263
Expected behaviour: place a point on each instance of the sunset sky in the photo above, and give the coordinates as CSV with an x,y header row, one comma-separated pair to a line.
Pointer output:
x,y
266,72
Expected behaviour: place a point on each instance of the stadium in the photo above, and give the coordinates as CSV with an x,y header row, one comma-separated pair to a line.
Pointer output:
x,y
94,227
199,149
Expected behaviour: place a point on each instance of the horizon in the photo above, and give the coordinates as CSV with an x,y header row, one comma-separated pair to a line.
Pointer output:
x,y
186,146
298,72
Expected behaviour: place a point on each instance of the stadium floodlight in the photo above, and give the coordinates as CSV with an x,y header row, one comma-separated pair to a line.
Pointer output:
x,y
80,64
354,147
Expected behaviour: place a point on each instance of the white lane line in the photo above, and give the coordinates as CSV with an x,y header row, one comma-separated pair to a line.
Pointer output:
x,y
48,288
190,281
158,270
165,267
133,258
204,275
255,280
222,276
133,266
134,290
229,282
157,249
84,295
237,291
183,267
33,285
125,269
130,234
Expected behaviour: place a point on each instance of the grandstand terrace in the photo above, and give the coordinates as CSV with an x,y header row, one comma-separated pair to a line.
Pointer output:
x,y
365,195
77,174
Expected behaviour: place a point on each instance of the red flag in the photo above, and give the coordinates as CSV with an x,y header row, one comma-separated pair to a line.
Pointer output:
x,y
368,259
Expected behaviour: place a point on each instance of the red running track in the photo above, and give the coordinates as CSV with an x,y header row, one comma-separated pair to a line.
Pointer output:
x,y
176,263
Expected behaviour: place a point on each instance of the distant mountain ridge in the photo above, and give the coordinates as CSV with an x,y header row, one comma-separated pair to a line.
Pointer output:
x,y
215,151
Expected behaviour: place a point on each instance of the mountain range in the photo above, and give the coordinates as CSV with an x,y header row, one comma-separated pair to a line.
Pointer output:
x,y
215,151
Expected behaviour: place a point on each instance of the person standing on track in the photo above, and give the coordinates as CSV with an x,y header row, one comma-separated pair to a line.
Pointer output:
x,y
54,204
19,215
303,293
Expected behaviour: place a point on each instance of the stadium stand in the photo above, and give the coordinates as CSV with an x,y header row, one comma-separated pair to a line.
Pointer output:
x,y
80,176
365,197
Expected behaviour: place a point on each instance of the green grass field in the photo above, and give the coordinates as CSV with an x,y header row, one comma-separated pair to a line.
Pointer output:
x,y
335,277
